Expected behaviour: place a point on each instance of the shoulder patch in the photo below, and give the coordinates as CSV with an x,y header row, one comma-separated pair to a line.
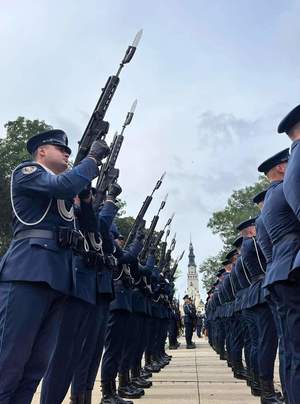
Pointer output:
x,y
29,169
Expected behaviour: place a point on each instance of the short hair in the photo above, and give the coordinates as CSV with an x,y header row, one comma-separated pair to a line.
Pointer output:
x,y
295,128
35,153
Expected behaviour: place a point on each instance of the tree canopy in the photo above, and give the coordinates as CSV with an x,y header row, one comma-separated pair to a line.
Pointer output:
x,y
239,207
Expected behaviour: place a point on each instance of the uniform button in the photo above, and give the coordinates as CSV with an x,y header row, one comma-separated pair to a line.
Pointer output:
x,y
45,245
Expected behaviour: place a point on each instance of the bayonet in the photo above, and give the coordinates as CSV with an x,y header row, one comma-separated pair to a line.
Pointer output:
x,y
97,128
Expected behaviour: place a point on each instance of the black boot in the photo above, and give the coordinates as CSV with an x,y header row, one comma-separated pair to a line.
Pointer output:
x,y
239,371
88,397
78,399
125,390
268,395
138,381
133,387
248,377
150,366
255,385
155,364
109,395
145,374
161,361
167,356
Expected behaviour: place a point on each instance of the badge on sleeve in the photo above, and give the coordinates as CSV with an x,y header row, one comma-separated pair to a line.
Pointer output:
x,y
29,169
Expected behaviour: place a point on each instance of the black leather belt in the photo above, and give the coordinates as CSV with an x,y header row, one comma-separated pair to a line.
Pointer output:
x,y
289,236
35,233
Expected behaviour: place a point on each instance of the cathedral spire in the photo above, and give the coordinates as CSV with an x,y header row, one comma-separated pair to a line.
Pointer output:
x,y
191,254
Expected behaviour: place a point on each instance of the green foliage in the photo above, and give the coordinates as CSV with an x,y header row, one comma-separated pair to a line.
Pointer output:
x,y
239,207
122,207
209,268
124,225
13,152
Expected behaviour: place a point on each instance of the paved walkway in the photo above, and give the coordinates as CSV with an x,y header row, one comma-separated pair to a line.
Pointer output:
x,y
195,376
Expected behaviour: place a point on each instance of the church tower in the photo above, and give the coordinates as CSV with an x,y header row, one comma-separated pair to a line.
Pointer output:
x,y
192,278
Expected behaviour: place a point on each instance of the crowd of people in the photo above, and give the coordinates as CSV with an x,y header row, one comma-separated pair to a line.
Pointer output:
x,y
253,308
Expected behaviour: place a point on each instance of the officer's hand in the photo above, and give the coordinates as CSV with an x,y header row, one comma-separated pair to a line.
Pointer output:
x,y
86,193
99,150
140,235
113,191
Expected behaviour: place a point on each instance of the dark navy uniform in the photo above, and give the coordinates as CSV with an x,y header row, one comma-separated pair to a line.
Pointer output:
x,y
91,352
189,321
78,324
36,274
283,228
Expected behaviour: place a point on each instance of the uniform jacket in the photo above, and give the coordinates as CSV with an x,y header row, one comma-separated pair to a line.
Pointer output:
x,y
283,228
240,272
255,263
45,199
189,313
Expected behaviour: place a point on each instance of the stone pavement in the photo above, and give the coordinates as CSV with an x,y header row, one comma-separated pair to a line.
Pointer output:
x,y
195,376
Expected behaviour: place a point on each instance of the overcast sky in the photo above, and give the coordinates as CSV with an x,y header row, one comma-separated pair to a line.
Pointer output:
x,y
212,79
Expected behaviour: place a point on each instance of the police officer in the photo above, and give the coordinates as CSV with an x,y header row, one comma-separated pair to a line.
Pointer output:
x,y
240,334
288,293
189,320
91,352
269,339
120,309
173,324
199,324
32,288
79,319
282,226
229,298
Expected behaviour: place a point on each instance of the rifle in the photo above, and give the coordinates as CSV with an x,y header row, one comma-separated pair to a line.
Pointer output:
x,y
163,252
175,266
161,232
148,240
108,173
168,255
97,128
142,212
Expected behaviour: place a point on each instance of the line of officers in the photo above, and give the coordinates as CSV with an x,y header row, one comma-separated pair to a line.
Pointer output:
x,y
254,306
69,291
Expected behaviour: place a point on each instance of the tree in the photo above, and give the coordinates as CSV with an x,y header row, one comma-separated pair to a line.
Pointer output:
x,y
209,268
13,152
124,224
239,207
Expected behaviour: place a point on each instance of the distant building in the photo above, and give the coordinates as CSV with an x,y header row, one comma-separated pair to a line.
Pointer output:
x,y
193,280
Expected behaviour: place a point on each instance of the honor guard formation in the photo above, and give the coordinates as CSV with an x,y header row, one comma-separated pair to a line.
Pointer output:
x,y
78,298
253,308
73,291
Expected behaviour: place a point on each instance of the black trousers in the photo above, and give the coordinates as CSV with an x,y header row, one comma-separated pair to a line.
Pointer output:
x,y
188,332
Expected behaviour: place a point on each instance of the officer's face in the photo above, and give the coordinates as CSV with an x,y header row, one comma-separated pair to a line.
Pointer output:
x,y
234,258
228,267
120,242
261,205
248,232
55,157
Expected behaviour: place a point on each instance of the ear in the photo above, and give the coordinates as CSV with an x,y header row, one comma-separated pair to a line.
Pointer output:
x,y
42,151
281,167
